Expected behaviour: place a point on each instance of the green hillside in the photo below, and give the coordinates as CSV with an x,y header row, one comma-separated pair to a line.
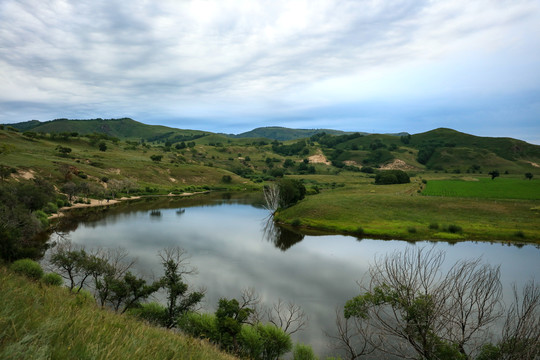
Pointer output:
x,y
42,322
121,128
283,134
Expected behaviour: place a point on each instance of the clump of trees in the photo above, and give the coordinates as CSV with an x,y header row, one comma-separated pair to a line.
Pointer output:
x,y
22,217
411,307
388,177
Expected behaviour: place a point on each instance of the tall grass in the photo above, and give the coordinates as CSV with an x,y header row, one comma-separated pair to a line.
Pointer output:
x,y
40,322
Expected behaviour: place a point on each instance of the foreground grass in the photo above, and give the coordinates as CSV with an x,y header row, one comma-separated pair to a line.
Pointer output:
x,y
400,212
40,322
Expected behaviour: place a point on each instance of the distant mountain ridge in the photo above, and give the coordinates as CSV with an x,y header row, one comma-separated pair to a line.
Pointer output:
x,y
129,128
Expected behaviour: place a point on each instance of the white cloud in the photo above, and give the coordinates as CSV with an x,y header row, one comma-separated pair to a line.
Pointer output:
x,y
259,59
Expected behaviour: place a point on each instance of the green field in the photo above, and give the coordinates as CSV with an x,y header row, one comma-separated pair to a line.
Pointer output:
x,y
400,212
485,188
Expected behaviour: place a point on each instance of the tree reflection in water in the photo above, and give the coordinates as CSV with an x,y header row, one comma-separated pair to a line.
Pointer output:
x,y
282,237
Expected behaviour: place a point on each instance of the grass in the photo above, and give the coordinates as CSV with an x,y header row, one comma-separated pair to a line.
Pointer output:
x,y
485,188
391,211
40,322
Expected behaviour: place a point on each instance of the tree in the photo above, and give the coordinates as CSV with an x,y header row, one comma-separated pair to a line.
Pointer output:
x,y
529,175
102,146
494,174
64,151
156,158
290,191
179,299
388,177
229,319
420,311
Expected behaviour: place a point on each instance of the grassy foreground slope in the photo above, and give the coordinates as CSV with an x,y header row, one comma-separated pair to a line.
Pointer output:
x,y
40,322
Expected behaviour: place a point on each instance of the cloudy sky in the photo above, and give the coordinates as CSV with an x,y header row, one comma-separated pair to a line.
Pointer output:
x,y
230,66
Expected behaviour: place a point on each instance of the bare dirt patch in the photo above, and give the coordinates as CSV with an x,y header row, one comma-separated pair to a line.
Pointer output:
x,y
534,164
318,159
25,174
397,164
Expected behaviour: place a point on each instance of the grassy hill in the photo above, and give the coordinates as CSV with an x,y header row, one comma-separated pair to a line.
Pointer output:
x,y
124,128
283,134
41,322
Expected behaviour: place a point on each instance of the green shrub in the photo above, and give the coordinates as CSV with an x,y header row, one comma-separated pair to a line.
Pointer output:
x,y
42,217
434,226
28,268
388,177
251,345
50,208
199,326
411,230
520,234
154,313
296,222
303,352
454,229
52,279
275,341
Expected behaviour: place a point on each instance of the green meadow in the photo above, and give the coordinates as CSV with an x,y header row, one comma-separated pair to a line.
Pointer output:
x,y
402,212
485,188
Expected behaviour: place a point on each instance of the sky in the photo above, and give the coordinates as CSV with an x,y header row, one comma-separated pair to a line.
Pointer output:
x,y
234,65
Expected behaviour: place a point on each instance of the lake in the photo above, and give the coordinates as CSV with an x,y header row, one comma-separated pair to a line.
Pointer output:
x,y
228,240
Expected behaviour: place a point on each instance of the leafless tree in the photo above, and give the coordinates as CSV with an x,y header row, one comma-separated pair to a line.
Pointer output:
x,y
521,330
351,338
288,316
271,197
420,310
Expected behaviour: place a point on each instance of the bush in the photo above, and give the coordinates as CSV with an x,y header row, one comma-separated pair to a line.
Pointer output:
x,y
154,313
454,229
28,268
434,226
296,222
201,326
303,352
388,177
52,279
411,230
50,208
42,217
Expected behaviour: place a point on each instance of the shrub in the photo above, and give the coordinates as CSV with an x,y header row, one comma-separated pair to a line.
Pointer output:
x,y
411,230
388,177
28,268
434,226
226,179
520,234
454,229
52,279
303,352
42,217
154,313
296,222
199,326
50,208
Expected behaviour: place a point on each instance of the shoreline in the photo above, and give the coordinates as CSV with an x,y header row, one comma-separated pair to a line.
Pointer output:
x,y
104,203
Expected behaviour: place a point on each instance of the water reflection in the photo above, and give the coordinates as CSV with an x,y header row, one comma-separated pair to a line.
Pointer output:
x,y
282,238
235,247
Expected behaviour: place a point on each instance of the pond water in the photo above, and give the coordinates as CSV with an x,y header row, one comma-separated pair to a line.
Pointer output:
x,y
230,243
